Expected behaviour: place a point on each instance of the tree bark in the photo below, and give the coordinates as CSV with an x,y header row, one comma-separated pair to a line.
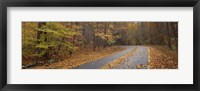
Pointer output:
x,y
37,51
168,33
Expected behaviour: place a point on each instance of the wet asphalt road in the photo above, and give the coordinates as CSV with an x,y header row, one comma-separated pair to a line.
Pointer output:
x,y
140,56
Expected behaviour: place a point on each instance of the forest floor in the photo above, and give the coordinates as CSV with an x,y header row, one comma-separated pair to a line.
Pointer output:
x,y
162,58
121,57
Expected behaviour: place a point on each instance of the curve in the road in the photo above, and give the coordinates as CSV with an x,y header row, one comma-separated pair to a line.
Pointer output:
x,y
100,62
140,57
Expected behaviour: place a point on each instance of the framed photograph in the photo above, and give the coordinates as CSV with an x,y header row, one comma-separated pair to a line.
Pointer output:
x,y
80,45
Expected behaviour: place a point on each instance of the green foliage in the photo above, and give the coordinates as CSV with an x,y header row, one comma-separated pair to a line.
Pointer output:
x,y
53,37
41,54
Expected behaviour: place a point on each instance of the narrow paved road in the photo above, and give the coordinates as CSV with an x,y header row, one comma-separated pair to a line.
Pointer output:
x,y
139,57
100,62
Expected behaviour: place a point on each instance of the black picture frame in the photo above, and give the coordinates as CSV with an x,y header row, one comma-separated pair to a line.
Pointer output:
x,y
99,3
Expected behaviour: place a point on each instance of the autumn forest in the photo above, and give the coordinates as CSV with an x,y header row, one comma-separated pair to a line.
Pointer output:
x,y
99,45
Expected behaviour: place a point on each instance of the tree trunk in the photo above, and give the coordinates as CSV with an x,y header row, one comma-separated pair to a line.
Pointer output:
x,y
94,39
168,33
94,42
46,55
176,34
151,34
105,32
37,51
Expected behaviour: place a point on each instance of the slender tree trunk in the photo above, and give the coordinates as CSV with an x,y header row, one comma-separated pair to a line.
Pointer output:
x,y
94,42
98,44
83,33
37,51
74,37
151,33
168,33
176,34
46,55
105,32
